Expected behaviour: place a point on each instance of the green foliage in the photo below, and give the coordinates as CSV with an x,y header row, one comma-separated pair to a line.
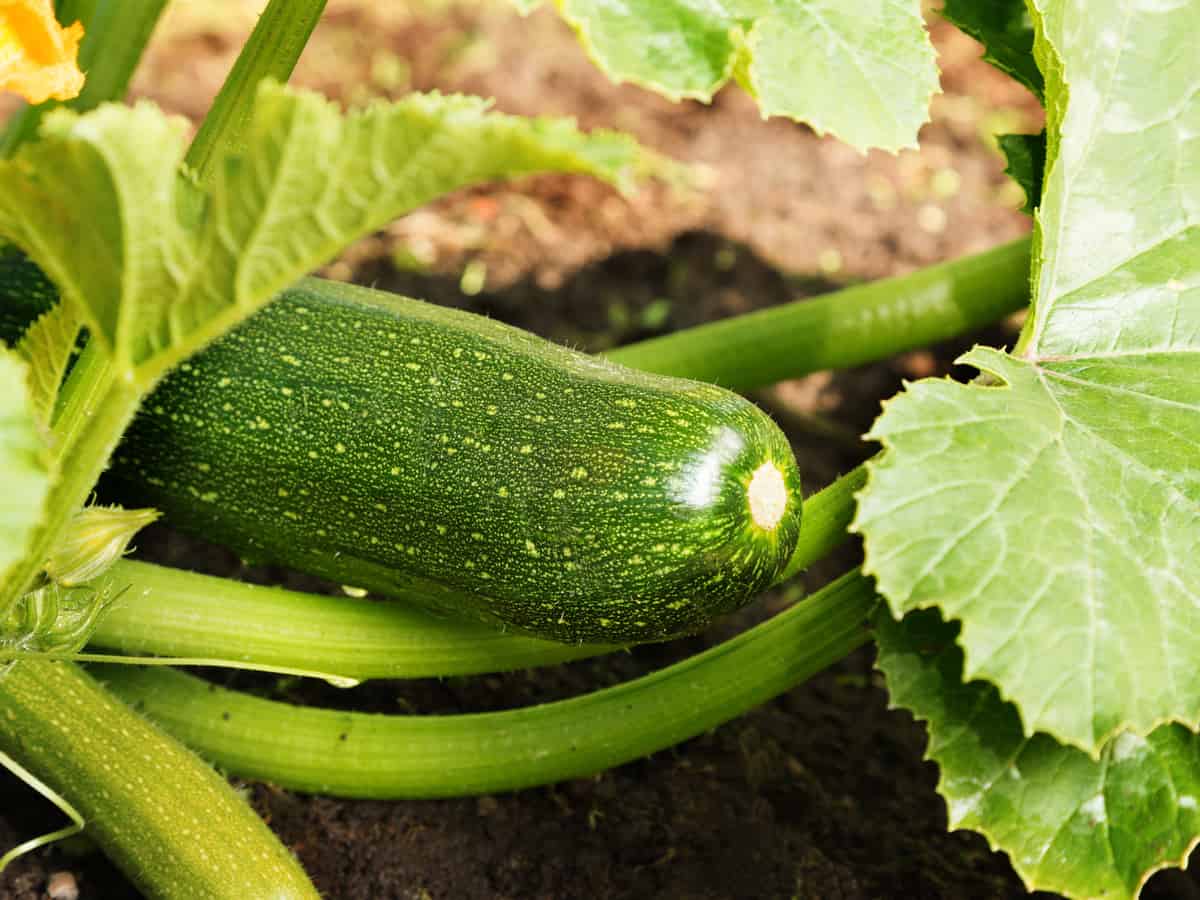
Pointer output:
x,y
1026,156
24,462
47,346
1052,507
98,203
862,72
1070,823
1056,512
1005,29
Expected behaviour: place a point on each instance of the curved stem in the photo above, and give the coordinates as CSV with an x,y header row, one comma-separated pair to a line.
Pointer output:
x,y
371,755
846,328
50,794
824,522
272,50
169,821
168,612
116,658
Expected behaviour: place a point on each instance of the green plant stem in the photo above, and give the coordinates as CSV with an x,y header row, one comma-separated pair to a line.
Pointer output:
x,y
97,407
846,328
168,612
32,781
169,821
824,523
272,50
121,28
371,755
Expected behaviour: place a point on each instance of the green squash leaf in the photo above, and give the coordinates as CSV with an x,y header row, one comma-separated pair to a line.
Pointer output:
x,y
864,72
1005,29
24,467
1055,508
158,268
47,346
1026,155
1080,826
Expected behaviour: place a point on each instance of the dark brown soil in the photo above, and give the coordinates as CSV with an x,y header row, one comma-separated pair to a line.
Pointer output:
x,y
821,793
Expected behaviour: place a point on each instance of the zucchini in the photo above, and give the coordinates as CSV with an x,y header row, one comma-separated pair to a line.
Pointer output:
x,y
173,825
428,453
25,293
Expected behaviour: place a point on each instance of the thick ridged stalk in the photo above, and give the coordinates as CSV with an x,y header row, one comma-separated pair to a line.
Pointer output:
x,y
85,437
847,328
372,755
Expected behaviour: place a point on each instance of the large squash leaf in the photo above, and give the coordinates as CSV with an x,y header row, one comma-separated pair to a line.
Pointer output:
x,y
864,71
158,267
1054,508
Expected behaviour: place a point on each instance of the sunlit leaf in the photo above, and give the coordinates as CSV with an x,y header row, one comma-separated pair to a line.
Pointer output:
x,y
1055,509
1005,29
863,72
24,471
158,269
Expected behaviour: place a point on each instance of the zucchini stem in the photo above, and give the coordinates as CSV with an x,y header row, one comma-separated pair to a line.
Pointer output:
x,y
272,50
371,755
846,328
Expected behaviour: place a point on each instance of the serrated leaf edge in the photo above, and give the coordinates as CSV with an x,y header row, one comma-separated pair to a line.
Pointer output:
x,y
704,95
972,670
820,129
46,349
1030,883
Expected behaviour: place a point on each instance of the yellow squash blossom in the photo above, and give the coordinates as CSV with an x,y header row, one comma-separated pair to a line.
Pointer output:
x,y
37,55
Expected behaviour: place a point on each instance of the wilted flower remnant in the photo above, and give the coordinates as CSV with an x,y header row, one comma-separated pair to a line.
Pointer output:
x,y
37,55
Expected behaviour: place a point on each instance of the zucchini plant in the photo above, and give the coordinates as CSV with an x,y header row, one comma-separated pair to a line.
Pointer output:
x,y
1029,573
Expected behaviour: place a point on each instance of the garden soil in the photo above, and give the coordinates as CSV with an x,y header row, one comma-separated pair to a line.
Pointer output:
x,y
821,793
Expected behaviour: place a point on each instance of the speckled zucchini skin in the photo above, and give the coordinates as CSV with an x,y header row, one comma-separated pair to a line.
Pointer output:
x,y
425,452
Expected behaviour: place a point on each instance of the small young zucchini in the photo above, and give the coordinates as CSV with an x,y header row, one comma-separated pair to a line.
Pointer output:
x,y
425,452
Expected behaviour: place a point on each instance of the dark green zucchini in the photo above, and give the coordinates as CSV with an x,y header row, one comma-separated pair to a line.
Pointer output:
x,y
425,452
25,293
